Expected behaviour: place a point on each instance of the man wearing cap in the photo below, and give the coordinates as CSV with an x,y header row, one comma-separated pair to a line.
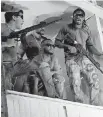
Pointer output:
x,y
49,70
13,21
78,31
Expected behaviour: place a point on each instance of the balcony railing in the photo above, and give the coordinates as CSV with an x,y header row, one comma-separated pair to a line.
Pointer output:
x,y
27,105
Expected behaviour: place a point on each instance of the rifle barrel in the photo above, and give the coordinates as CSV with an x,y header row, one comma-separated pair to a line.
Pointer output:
x,y
35,27
28,29
96,64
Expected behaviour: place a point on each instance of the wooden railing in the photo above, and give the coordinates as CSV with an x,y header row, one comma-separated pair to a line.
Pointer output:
x,y
27,105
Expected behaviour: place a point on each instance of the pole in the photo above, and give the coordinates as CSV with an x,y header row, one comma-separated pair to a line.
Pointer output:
x,y
65,110
4,109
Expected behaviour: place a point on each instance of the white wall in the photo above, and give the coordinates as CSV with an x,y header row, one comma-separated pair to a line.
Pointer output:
x,y
26,105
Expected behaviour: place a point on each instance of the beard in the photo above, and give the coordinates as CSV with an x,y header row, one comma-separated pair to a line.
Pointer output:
x,y
79,22
47,52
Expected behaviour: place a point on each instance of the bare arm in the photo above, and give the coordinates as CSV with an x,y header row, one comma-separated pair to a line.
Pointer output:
x,y
92,49
90,46
60,38
59,44
64,35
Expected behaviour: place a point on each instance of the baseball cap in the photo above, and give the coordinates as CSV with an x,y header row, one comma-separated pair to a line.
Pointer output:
x,y
79,9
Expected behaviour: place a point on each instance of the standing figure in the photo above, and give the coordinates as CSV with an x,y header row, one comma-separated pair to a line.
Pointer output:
x,y
14,21
75,63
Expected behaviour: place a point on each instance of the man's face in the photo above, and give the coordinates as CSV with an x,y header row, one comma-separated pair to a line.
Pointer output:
x,y
19,21
48,47
78,17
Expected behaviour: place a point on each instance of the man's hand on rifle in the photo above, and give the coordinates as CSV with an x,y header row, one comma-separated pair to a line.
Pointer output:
x,y
13,35
79,48
72,49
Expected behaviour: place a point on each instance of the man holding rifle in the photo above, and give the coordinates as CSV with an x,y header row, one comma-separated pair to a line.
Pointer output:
x,y
76,62
14,21
30,44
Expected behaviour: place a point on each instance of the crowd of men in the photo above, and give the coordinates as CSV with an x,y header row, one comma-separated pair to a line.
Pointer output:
x,y
40,73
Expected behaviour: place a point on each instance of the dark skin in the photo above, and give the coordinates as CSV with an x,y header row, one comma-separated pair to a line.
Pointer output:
x,y
62,45
93,50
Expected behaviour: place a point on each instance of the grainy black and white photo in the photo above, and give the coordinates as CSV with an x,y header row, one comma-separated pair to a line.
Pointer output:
x,y
52,58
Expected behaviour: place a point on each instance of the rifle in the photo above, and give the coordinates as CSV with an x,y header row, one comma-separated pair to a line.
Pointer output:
x,y
28,29
85,53
74,43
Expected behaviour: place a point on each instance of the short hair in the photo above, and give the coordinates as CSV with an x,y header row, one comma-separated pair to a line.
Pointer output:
x,y
8,15
79,9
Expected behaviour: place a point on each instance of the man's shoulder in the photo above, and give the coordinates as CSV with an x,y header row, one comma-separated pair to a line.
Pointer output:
x,y
3,27
5,30
2,24
68,26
